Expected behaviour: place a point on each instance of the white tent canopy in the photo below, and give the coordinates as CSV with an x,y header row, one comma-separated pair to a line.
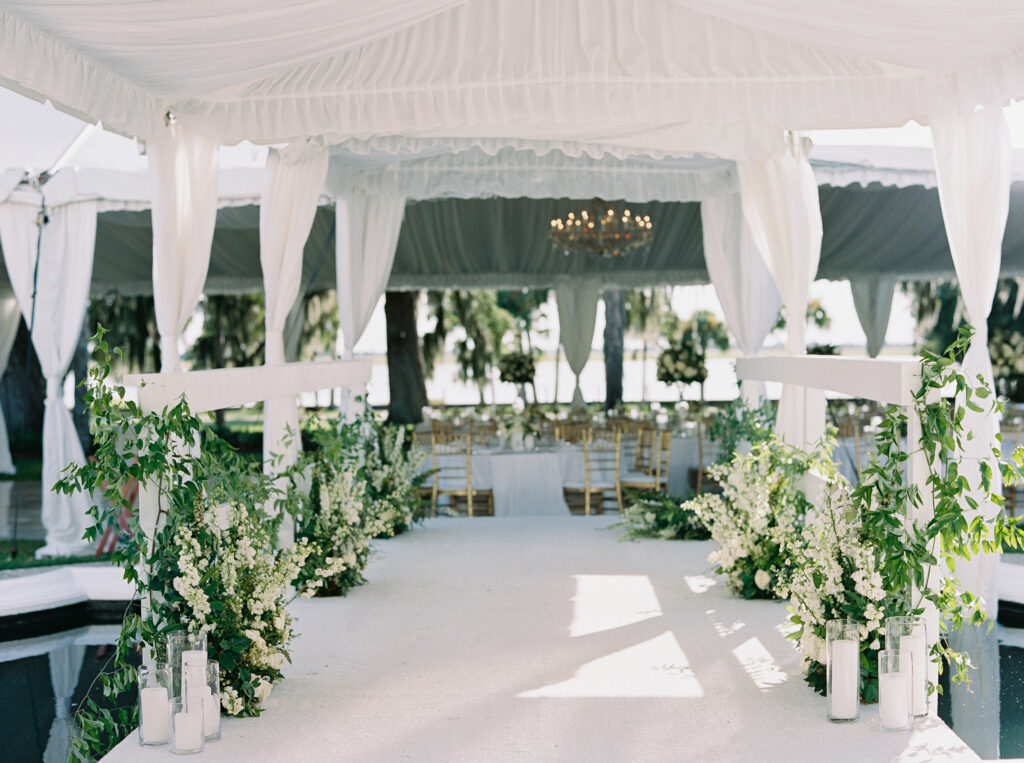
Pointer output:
x,y
691,76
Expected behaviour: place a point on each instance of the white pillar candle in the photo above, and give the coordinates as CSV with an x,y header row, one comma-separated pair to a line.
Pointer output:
x,y
155,727
845,679
894,700
211,709
193,670
188,730
915,645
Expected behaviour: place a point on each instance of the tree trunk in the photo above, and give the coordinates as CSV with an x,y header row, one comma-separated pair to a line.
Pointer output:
x,y
80,368
218,350
614,321
405,361
22,393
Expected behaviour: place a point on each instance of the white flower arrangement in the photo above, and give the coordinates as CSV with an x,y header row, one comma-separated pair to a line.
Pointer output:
x,y
761,507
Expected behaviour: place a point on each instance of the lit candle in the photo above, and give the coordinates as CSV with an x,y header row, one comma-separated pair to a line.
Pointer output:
x,y
845,679
188,730
155,726
915,645
894,699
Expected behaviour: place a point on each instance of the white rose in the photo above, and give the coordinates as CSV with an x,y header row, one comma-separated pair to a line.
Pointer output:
x,y
762,579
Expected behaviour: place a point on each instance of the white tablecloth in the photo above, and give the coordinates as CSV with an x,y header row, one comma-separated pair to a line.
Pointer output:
x,y
525,483
685,456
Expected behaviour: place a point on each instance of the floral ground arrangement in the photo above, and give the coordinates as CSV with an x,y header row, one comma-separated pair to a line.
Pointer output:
x,y
212,563
789,526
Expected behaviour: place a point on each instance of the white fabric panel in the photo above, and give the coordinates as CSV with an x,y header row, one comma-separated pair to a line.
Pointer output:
x,y
61,296
183,168
742,282
514,173
577,315
780,204
872,299
10,318
290,194
716,78
366,238
972,164
65,667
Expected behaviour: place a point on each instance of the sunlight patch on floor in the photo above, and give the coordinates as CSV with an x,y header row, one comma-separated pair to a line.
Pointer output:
x,y
654,668
605,602
759,664
699,583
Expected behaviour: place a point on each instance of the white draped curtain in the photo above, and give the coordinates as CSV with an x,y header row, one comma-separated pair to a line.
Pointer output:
x,y
367,228
291,190
183,167
742,282
872,299
10,318
972,164
65,667
367,237
59,287
577,314
780,204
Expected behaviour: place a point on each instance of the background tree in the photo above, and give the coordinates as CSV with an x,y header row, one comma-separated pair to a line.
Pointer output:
x,y
644,312
524,305
614,329
484,325
405,362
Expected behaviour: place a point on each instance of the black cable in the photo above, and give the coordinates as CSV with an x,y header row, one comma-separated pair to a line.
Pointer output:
x,y
41,220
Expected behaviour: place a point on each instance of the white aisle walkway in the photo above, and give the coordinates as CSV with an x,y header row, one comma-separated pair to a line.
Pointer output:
x,y
544,639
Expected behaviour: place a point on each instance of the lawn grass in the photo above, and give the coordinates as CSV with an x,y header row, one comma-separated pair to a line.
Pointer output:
x,y
26,556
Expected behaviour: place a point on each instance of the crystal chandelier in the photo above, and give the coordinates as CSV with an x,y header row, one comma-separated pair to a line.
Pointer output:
x,y
598,230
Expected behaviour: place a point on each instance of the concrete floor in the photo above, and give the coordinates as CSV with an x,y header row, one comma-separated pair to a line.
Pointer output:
x,y
547,640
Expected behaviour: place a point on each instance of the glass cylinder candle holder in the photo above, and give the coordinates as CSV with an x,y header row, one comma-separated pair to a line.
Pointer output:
x,y
193,662
187,722
894,691
908,635
210,693
155,690
842,655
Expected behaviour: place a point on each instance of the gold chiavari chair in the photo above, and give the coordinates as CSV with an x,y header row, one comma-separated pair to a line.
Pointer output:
x,y
483,431
569,431
708,453
664,459
601,464
644,459
453,462
442,431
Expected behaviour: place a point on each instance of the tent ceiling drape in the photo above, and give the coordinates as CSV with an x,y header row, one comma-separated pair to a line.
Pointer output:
x,y
895,231
694,75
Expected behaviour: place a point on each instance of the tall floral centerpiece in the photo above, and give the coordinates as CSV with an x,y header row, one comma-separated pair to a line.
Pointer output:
x,y
517,368
682,363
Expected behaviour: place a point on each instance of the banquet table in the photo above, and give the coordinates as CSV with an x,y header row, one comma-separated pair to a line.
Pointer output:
x,y
524,482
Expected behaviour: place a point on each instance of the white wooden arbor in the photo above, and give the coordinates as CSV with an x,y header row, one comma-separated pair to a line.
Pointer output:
x,y
892,381
227,387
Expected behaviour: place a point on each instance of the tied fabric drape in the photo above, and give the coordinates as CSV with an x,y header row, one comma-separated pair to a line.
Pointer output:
x,y
10,318
291,190
872,299
741,280
780,204
367,238
65,667
183,167
577,314
972,164
61,294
